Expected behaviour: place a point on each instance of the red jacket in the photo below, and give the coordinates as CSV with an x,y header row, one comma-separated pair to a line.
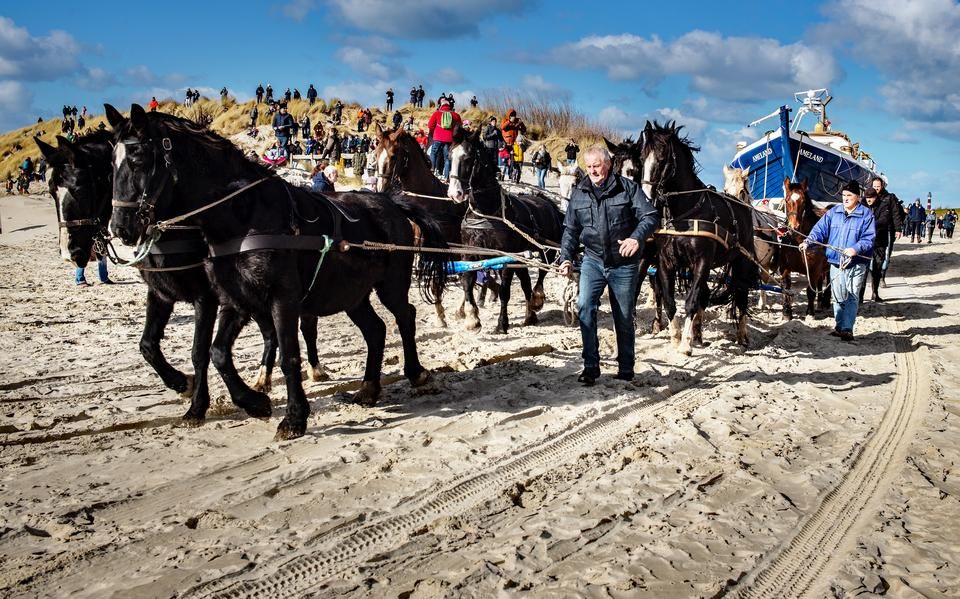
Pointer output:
x,y
437,132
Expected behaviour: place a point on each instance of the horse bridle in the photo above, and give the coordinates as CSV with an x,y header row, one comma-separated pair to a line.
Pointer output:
x,y
146,204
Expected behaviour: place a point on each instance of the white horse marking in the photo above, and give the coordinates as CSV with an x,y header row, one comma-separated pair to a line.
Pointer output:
x,y
648,165
119,154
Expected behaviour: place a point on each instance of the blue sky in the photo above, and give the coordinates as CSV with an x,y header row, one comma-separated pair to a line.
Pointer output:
x,y
893,67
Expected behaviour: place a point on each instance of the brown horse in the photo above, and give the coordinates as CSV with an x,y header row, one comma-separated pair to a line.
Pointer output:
x,y
801,217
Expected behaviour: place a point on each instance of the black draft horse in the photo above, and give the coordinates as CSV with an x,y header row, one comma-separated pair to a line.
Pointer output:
x,y
693,219
165,167
473,178
81,183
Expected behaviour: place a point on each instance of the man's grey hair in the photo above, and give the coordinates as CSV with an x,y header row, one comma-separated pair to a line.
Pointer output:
x,y
600,151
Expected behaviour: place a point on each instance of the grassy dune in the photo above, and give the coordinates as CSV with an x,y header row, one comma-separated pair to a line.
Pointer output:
x,y
553,123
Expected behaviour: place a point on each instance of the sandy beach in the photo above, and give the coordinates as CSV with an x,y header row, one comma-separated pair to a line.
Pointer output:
x,y
801,466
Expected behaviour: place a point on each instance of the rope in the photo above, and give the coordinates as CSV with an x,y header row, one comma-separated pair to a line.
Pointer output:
x,y
459,250
503,218
169,268
429,197
168,224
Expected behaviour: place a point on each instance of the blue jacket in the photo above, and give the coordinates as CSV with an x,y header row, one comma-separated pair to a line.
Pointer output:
x,y
856,230
600,218
321,183
917,214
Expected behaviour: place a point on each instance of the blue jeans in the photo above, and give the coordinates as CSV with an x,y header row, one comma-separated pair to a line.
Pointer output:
x,y
434,147
541,177
79,276
622,282
845,287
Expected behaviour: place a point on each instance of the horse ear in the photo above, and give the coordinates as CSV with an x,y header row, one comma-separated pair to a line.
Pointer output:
x,y
786,183
803,186
614,148
727,171
745,172
67,150
379,130
138,117
113,116
49,152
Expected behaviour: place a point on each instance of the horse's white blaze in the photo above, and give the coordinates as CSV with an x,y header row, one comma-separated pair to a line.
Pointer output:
x,y
64,240
627,167
648,165
455,188
49,175
119,154
381,168
795,196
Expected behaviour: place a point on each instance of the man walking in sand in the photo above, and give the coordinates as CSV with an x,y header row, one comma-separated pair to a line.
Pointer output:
x,y
611,216
848,230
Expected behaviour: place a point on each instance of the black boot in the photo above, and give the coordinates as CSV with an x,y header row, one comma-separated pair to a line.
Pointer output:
x,y
876,296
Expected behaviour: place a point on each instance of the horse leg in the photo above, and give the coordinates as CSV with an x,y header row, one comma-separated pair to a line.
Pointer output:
x,y
374,335
308,329
531,316
157,317
285,316
811,299
254,403
471,312
204,317
441,313
503,323
667,286
538,298
267,359
698,296
742,281
393,296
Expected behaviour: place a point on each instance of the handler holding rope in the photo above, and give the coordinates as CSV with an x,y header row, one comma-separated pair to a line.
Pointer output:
x,y
612,217
848,232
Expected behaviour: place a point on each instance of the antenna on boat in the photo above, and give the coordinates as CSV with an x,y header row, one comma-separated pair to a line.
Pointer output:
x,y
811,101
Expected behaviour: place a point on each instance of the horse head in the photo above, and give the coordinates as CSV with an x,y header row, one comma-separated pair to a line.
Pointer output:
x,y
736,182
392,157
795,199
667,160
622,155
79,181
470,171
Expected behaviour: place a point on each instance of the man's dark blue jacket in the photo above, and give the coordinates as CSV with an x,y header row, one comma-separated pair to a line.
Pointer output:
x,y
600,217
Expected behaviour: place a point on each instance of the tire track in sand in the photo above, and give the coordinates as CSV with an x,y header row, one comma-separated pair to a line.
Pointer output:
x,y
343,550
806,564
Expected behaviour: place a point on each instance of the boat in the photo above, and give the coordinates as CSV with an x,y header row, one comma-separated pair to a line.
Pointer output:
x,y
823,157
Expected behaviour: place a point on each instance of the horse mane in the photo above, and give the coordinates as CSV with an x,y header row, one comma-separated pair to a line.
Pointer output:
x,y
98,136
208,139
687,146
412,147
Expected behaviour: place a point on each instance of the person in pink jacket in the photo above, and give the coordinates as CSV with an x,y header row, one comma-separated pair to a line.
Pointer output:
x,y
442,125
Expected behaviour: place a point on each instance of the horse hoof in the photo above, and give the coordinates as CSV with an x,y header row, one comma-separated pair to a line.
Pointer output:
x,y
317,374
531,319
190,381
255,404
481,303
656,328
192,420
685,349
500,330
287,430
263,382
473,325
368,394
441,323
421,379
537,301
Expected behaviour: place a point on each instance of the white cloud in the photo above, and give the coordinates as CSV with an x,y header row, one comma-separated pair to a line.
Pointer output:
x,y
448,76
361,61
914,45
141,74
730,68
96,79
298,9
614,117
419,19
15,103
24,57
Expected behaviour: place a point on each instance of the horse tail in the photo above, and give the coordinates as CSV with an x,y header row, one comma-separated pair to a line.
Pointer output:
x,y
432,267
